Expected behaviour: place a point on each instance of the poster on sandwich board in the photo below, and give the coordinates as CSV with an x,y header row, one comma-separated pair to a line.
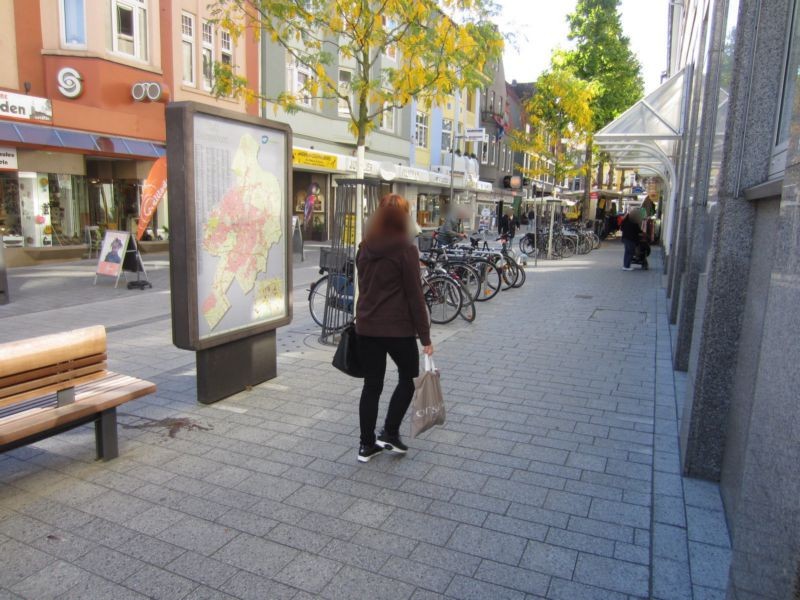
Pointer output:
x,y
112,254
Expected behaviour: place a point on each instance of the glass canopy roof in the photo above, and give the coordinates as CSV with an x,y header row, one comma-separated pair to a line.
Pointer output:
x,y
645,137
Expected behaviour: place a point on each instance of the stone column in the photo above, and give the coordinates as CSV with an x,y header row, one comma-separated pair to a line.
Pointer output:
x,y
754,101
766,522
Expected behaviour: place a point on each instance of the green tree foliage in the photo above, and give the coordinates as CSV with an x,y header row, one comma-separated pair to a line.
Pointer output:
x,y
559,116
602,55
437,46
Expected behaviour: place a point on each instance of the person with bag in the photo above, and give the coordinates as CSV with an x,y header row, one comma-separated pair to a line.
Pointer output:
x,y
390,314
631,227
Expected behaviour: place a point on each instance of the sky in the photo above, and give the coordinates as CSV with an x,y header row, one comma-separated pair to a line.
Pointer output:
x,y
540,26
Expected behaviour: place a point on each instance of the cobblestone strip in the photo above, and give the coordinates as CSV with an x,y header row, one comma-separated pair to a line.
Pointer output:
x,y
690,544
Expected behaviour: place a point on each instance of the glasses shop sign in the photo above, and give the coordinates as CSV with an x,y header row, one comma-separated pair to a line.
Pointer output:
x,y
8,159
29,108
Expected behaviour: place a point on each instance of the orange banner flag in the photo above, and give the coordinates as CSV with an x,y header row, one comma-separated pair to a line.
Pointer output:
x,y
154,189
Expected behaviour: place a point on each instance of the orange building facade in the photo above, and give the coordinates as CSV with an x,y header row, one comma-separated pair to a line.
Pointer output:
x,y
82,96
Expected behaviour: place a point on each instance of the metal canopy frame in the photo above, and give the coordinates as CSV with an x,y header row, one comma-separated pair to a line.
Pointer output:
x,y
646,136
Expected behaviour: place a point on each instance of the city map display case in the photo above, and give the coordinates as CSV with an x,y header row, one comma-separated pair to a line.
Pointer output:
x,y
229,188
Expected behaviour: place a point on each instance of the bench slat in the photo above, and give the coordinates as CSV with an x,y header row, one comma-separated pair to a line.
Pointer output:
x,y
51,370
62,380
36,353
50,389
103,394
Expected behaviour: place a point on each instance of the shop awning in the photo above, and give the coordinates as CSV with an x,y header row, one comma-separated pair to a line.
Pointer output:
x,y
645,137
79,141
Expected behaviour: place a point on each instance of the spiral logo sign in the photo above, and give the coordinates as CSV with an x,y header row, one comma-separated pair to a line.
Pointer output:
x,y
70,82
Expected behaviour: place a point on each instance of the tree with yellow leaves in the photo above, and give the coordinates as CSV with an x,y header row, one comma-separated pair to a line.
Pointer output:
x,y
559,116
438,47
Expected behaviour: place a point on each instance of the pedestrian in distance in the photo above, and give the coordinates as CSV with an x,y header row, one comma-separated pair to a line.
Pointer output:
x,y
531,220
631,227
503,226
390,314
513,224
448,231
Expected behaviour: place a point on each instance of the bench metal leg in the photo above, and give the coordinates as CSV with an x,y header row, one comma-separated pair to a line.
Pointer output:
x,y
105,435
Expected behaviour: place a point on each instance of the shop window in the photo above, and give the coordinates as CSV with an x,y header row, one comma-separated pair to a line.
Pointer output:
x,y
470,100
421,133
428,210
447,134
491,102
73,23
129,24
345,89
208,56
387,117
492,151
187,40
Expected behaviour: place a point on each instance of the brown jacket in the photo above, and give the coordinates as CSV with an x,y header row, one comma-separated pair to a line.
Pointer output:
x,y
390,300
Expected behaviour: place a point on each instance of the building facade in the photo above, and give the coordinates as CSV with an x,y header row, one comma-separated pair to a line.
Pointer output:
x,y
82,122
729,148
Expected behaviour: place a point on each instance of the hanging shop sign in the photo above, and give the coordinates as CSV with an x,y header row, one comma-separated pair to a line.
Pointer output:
x,y
8,159
70,82
29,108
153,190
308,158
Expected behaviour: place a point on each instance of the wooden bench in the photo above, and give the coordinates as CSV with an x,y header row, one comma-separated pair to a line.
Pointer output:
x,y
55,383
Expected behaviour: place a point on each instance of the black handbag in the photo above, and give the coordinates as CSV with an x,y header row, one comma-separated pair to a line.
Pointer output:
x,y
346,357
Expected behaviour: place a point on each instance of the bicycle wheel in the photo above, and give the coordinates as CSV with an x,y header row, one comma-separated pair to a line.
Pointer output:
x,y
467,276
510,271
566,246
595,241
338,302
526,245
467,311
491,279
316,299
443,296
584,245
520,277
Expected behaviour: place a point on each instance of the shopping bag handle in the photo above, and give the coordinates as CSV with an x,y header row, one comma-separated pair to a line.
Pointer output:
x,y
429,364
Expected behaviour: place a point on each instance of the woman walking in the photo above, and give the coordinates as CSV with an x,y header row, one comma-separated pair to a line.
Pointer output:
x,y
390,314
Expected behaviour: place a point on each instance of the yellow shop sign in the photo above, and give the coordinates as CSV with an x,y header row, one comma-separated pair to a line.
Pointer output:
x,y
314,159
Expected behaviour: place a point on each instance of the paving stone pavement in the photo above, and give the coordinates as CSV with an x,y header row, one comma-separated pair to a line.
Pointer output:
x,y
556,476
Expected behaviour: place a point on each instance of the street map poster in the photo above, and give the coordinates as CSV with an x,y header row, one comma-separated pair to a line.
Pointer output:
x,y
230,275
240,199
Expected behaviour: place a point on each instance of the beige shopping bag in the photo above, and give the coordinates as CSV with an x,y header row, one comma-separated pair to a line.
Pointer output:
x,y
427,408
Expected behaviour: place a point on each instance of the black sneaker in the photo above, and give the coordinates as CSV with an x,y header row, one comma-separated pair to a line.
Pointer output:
x,y
365,453
392,443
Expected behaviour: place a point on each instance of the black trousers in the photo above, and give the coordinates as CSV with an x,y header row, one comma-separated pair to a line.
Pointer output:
x,y
372,352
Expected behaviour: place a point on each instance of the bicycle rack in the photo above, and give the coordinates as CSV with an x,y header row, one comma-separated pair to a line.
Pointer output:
x,y
339,259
